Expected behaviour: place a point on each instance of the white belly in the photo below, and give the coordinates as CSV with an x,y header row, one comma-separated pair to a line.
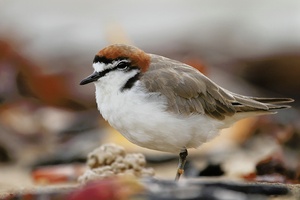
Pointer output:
x,y
142,119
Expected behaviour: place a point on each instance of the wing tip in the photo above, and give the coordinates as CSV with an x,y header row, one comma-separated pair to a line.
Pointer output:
x,y
274,100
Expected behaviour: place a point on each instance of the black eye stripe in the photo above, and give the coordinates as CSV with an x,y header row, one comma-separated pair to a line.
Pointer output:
x,y
104,72
122,63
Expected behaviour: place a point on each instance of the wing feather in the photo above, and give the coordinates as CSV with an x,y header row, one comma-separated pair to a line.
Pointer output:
x,y
189,92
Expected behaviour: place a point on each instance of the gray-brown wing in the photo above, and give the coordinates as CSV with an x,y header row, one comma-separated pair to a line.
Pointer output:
x,y
187,90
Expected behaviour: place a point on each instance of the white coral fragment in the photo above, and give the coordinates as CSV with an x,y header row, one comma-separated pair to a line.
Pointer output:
x,y
111,160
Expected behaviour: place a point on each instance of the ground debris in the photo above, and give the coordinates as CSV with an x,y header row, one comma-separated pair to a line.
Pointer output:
x,y
111,160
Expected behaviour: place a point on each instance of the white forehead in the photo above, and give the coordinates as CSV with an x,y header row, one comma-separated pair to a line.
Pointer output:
x,y
100,66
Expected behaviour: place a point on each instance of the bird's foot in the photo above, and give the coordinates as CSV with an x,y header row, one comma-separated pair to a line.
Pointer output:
x,y
182,159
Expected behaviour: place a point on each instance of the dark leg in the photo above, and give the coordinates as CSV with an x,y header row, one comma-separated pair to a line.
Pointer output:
x,y
182,159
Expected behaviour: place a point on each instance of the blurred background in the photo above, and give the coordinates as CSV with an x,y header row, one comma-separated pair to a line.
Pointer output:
x,y
47,47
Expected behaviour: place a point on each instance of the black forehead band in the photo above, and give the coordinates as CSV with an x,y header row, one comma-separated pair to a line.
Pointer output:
x,y
102,59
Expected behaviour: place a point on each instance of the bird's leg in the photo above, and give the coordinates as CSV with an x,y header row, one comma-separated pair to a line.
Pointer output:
x,y
182,159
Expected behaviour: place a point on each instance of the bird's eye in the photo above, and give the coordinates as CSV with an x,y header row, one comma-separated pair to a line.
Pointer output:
x,y
123,65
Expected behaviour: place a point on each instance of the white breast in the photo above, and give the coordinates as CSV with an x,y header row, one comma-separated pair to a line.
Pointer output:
x,y
142,119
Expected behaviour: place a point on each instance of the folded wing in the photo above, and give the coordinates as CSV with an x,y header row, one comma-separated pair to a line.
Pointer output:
x,y
189,92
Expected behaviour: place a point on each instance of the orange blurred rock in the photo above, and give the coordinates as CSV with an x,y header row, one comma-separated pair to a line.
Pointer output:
x,y
57,174
26,79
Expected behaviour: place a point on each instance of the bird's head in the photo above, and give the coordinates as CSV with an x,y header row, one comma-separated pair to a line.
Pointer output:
x,y
119,62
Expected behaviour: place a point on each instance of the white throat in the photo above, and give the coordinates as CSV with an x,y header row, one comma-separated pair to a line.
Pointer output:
x,y
109,87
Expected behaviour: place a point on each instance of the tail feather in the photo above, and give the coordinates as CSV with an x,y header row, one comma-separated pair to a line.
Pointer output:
x,y
273,100
258,104
274,103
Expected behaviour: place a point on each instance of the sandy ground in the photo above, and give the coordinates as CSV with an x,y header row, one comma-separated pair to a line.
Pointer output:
x,y
15,179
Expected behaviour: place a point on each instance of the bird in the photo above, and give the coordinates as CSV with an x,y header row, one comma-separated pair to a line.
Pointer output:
x,y
163,104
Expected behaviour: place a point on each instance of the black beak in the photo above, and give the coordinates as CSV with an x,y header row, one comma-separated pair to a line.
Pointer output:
x,y
93,77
